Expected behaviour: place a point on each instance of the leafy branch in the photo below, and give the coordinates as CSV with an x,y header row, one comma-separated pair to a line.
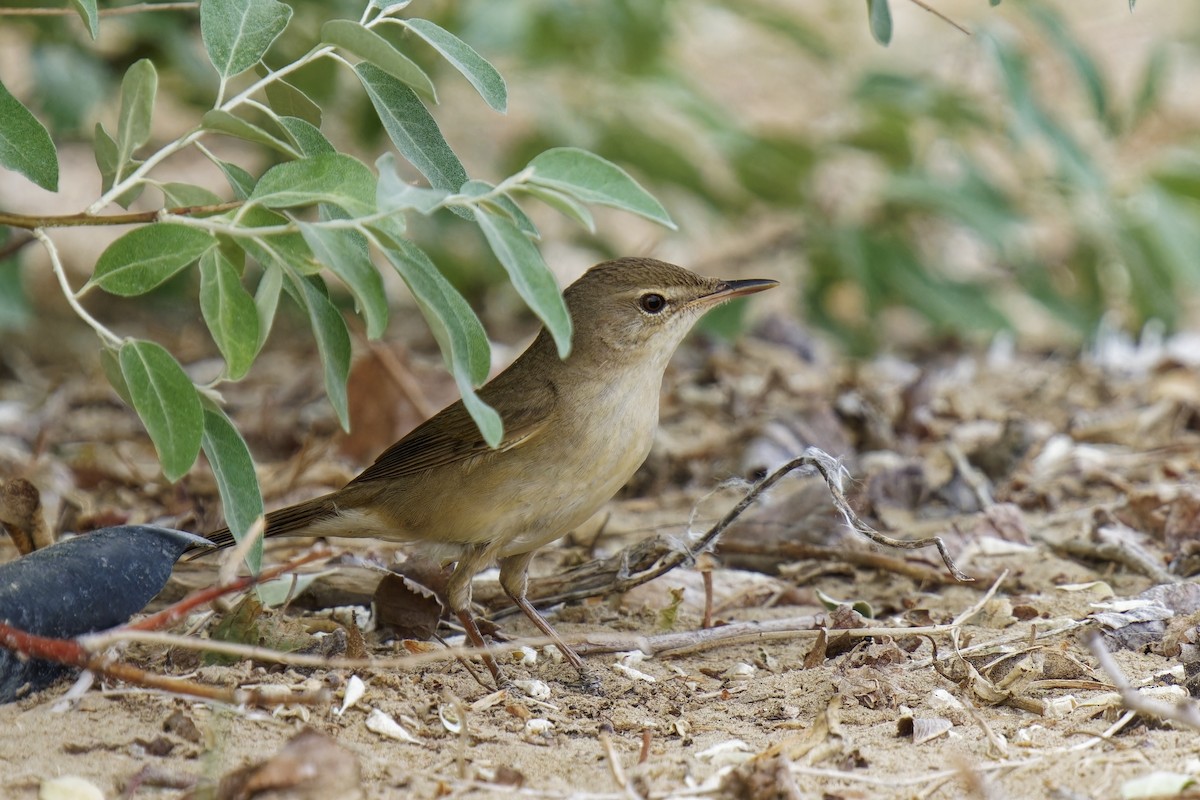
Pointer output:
x,y
318,213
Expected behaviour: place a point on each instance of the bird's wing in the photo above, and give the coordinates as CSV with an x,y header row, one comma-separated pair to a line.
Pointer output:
x,y
452,436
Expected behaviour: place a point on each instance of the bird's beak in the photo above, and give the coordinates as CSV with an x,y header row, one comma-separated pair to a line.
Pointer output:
x,y
727,290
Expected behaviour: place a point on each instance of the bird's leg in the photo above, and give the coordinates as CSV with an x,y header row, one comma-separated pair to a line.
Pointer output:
x,y
514,578
458,591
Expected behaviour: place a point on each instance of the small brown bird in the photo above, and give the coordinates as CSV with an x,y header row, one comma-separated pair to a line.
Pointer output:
x,y
575,430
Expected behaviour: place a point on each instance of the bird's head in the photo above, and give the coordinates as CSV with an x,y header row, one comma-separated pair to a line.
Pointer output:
x,y
639,309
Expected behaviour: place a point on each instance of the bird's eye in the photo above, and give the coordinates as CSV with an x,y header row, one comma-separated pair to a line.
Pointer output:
x,y
652,303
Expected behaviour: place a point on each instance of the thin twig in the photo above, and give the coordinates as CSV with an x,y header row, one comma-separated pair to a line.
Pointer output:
x,y
136,8
978,605
60,272
1185,713
652,558
940,15
73,653
867,559
30,221
177,611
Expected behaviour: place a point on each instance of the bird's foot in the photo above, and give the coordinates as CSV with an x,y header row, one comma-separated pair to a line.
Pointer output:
x,y
589,683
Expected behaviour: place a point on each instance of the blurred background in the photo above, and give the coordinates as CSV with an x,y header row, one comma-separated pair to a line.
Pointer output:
x,y
1039,176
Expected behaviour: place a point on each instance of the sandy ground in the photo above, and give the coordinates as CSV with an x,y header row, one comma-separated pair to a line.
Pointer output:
x,y
1021,711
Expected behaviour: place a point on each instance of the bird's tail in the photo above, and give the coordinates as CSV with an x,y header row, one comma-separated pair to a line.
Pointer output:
x,y
279,523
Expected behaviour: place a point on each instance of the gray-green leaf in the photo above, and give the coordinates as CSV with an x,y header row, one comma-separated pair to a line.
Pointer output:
x,y
344,251
306,136
241,181
237,482
285,249
237,33
165,399
373,48
333,341
880,17
412,129
229,311
396,194
287,100
89,14
266,300
138,88
109,362
474,67
25,145
224,122
530,276
592,179
147,256
334,178
185,195
458,331
563,203
106,160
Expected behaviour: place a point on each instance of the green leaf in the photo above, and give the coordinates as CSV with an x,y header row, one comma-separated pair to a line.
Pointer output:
x,y
591,179
373,48
106,160
138,88
411,128
25,145
530,276
90,16
333,340
458,331
224,122
396,194
284,249
241,181
880,17
509,208
229,311
147,256
112,370
237,33
185,195
167,402
266,301
344,251
306,136
474,67
237,482
287,100
563,203
334,178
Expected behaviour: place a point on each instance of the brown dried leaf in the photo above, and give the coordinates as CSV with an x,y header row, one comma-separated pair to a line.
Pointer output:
x,y
21,515
311,766
406,607
181,725
816,654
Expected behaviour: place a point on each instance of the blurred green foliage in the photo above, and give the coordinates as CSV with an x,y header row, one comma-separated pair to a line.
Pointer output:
x,y
1025,175
979,195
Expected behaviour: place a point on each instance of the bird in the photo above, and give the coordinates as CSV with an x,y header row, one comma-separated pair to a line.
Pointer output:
x,y
575,431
